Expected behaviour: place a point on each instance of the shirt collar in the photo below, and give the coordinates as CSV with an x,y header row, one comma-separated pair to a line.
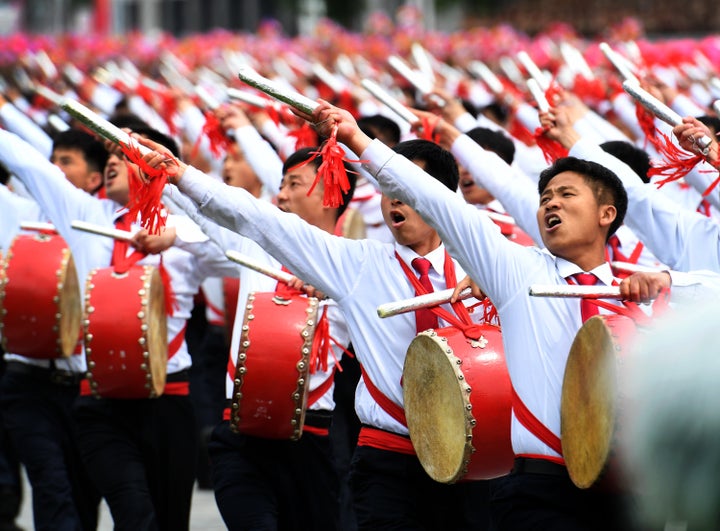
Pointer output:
x,y
603,271
436,256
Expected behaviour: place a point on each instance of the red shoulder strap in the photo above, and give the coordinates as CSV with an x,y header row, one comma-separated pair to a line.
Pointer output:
x,y
387,405
533,425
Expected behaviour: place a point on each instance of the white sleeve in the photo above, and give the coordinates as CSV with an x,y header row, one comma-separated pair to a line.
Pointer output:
x,y
261,157
19,123
516,191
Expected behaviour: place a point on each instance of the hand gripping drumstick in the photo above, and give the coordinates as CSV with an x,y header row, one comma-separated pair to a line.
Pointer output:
x,y
662,111
428,300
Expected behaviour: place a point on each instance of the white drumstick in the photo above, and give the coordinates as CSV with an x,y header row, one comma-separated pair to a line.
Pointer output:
x,y
575,291
100,125
533,70
385,97
417,80
633,268
662,111
247,97
619,62
101,230
246,261
487,76
49,94
428,300
294,99
538,95
37,225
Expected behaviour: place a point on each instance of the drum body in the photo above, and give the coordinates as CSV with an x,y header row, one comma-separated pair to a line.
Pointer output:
x,y
352,224
272,372
457,399
590,402
125,328
40,309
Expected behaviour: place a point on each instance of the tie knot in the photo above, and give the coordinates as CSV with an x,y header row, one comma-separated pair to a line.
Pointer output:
x,y
614,241
421,265
585,279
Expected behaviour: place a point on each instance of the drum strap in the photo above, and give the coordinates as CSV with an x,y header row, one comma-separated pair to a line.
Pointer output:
x,y
177,341
533,425
387,405
319,391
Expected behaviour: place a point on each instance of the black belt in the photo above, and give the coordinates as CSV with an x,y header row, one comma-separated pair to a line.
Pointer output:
x,y
48,374
180,376
318,418
529,465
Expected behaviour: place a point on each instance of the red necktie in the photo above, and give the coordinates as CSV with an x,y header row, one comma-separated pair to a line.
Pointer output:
x,y
424,318
587,308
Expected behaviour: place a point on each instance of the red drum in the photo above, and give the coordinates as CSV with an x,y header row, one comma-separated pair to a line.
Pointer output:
x,y
40,308
271,377
590,402
457,400
125,333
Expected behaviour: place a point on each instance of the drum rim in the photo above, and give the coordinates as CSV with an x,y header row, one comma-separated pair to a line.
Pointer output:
x,y
587,458
425,457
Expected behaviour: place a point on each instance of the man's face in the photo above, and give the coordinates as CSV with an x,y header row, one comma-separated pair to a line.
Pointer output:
x,y
570,220
237,172
116,179
73,164
406,225
293,195
473,194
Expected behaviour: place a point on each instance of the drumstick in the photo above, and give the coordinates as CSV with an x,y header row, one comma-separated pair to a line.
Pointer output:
x,y
577,291
247,97
101,230
662,111
619,62
428,300
633,268
538,95
37,225
271,272
533,70
392,103
419,81
294,99
100,126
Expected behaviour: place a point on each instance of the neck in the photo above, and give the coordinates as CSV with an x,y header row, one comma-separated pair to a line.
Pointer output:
x,y
426,246
589,262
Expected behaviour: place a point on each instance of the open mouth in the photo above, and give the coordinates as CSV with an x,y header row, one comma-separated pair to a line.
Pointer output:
x,y
110,175
396,218
552,221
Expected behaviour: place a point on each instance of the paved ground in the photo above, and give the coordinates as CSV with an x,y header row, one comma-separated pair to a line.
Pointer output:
x,y
204,515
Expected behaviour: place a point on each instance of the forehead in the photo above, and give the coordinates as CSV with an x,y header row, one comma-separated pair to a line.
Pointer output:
x,y
66,151
304,172
566,179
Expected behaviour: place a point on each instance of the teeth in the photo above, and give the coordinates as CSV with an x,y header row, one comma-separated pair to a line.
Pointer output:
x,y
552,221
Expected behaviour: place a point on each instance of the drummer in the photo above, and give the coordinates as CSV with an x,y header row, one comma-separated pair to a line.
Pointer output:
x,y
390,488
36,395
581,204
140,453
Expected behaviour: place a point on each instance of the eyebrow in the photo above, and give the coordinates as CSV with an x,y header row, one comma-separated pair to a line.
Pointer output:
x,y
559,189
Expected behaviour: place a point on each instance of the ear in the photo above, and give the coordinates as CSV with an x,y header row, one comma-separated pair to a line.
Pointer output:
x,y
95,180
608,213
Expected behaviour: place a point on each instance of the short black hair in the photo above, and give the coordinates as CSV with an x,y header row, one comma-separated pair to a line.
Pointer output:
x,y
137,125
712,122
633,156
439,163
92,149
373,125
307,155
494,141
606,186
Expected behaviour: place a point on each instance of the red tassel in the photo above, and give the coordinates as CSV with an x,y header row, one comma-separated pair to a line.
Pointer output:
x,y
320,345
428,129
522,133
677,162
168,109
145,196
331,171
219,142
304,136
550,148
646,119
170,300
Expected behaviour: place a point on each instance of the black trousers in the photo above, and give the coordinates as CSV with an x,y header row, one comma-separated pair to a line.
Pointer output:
x,y
270,484
546,499
36,414
392,491
141,455
10,482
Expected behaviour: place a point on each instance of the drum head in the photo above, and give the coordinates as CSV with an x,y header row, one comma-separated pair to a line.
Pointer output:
x,y
435,408
157,339
588,405
69,308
